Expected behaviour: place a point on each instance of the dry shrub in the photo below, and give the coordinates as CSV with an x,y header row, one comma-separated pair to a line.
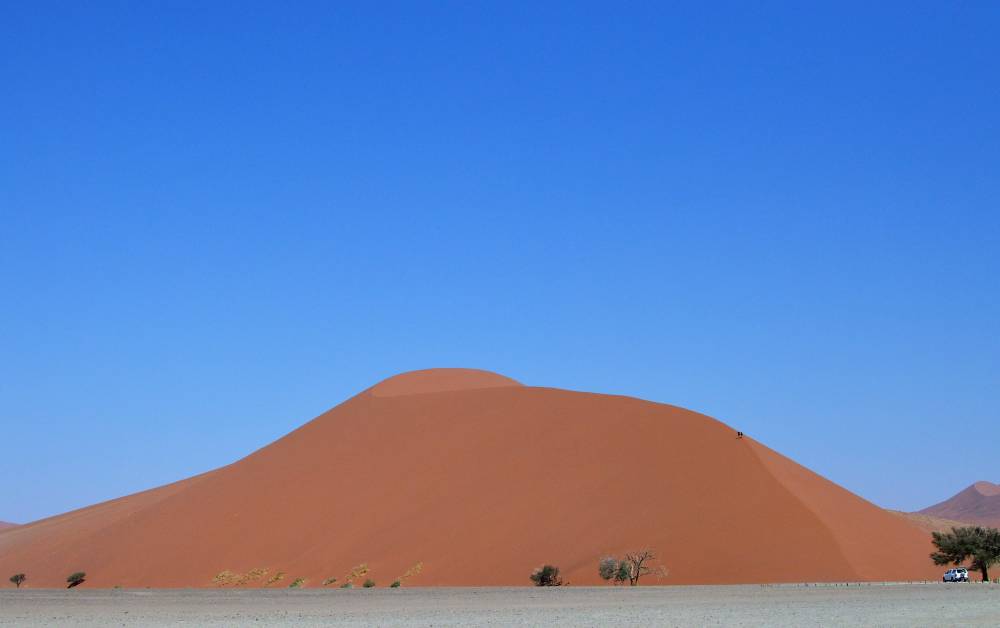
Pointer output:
x,y
251,576
410,573
358,572
275,578
224,578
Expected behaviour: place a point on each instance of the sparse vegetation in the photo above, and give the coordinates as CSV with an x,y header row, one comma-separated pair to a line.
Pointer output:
x,y
412,572
297,583
358,572
278,577
607,567
251,576
614,570
347,585
329,581
623,573
224,578
75,579
369,583
978,544
18,579
630,568
546,576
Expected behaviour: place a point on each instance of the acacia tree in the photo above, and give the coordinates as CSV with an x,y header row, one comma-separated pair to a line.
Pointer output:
x,y
17,579
75,578
980,544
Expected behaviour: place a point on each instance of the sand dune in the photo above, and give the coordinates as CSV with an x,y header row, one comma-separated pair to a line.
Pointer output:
x,y
930,523
4,525
481,479
977,504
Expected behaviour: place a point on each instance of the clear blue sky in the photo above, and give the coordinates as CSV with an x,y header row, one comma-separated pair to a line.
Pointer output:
x,y
218,221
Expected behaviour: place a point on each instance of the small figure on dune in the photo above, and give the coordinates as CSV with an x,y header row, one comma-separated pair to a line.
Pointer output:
x,y
739,435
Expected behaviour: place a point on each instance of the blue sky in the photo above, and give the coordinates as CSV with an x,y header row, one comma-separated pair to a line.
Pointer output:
x,y
217,222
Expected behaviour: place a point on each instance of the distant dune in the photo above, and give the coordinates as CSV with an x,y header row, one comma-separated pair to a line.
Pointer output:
x,y
977,504
4,525
482,479
930,523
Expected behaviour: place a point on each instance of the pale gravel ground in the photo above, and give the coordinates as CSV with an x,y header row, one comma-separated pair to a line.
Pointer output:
x,y
751,605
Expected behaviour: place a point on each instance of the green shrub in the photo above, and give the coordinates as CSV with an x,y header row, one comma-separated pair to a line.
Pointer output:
x,y
298,582
347,585
607,567
17,579
75,579
546,576
369,583
395,584
329,581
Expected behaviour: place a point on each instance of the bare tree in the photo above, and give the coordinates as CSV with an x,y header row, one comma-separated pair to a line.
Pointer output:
x,y
639,565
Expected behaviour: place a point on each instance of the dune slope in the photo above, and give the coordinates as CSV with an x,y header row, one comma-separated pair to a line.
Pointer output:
x,y
481,479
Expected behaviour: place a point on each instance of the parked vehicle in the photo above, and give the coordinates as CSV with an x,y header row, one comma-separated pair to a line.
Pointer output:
x,y
956,575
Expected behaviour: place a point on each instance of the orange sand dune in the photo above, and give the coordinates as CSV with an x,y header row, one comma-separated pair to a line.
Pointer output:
x,y
930,523
481,480
4,525
977,504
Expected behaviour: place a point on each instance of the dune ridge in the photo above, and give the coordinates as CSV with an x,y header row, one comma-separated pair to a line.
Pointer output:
x,y
482,479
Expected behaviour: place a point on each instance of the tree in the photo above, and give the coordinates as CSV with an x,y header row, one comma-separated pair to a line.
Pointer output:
x,y
546,576
614,570
629,569
982,545
75,579
623,573
607,568
17,579
638,566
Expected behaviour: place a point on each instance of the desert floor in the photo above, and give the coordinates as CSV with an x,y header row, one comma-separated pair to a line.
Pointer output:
x,y
753,605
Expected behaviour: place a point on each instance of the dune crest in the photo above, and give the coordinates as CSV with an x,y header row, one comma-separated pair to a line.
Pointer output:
x,y
988,489
439,380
